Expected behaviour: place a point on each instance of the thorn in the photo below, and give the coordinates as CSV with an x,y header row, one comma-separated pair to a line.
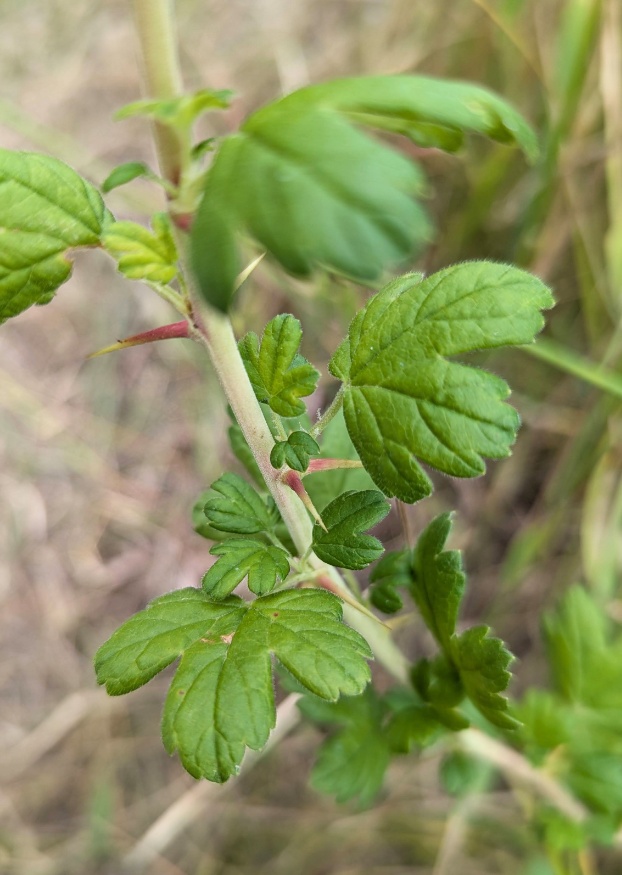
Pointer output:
x,y
293,480
164,332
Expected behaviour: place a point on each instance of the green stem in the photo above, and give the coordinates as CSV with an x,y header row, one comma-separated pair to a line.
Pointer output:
x,y
155,24
333,409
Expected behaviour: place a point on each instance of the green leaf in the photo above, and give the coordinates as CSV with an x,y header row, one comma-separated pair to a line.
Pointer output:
x,y
482,663
221,699
403,399
142,254
264,564
296,451
352,763
576,636
438,681
199,521
392,571
237,508
345,518
438,581
178,112
46,210
125,173
325,486
278,373
312,189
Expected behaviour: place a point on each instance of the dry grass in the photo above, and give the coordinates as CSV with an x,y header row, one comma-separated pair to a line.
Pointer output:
x,y
100,461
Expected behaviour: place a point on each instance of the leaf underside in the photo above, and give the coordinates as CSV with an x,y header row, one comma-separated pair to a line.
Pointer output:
x,y
404,400
46,209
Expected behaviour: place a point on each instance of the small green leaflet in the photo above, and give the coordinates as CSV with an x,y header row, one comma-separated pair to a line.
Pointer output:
x,y
392,571
345,518
277,371
438,580
264,564
304,181
483,666
46,209
405,400
237,508
221,700
178,112
296,451
125,173
142,254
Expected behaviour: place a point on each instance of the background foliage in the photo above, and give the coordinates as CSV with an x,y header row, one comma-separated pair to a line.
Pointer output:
x,y
100,462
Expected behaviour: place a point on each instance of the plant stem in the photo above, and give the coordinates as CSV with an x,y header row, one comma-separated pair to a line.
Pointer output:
x,y
155,24
154,19
333,409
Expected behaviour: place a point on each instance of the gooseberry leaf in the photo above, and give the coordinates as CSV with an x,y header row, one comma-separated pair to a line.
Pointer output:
x,y
392,571
304,181
235,507
404,400
142,254
296,451
482,662
280,376
437,580
221,700
264,564
46,210
342,543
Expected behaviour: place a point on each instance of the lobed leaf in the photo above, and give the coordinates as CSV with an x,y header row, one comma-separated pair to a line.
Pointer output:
x,y
280,376
345,518
313,190
483,666
437,581
264,564
404,400
295,452
46,210
221,700
142,254
237,508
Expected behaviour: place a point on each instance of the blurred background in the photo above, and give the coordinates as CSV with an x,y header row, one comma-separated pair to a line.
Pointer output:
x,y
101,460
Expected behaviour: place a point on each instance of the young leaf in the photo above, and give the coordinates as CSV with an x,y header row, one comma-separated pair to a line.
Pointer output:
x,y
125,173
142,254
314,190
437,582
345,518
178,112
482,663
237,508
392,571
264,564
279,374
221,699
296,451
46,209
404,399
